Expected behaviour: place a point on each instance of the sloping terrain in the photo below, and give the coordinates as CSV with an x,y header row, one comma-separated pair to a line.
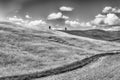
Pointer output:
x,y
26,51
105,68
97,34
59,70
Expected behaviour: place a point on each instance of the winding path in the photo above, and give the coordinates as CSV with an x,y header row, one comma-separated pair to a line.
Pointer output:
x,y
59,70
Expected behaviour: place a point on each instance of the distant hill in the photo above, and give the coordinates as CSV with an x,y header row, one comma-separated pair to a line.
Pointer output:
x,y
97,34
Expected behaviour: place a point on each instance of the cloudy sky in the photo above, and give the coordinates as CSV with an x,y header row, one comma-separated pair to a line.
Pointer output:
x,y
56,11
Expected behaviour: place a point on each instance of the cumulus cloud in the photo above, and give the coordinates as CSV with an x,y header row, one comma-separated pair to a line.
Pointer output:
x,y
76,23
58,15
112,19
109,9
99,19
65,8
85,24
109,19
65,17
28,23
72,23
37,22
53,16
100,16
27,16
16,19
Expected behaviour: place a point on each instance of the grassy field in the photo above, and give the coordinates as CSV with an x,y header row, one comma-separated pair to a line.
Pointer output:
x,y
97,34
24,50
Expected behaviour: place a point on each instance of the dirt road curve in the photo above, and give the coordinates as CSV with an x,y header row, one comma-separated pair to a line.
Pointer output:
x,y
59,70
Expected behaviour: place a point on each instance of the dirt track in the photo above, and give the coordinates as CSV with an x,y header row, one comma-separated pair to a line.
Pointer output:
x,y
59,70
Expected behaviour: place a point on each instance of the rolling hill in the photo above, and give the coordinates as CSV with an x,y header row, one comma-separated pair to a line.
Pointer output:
x,y
97,34
27,54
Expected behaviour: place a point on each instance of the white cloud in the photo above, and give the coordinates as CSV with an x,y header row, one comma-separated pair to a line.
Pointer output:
x,y
85,24
99,19
100,16
16,19
53,16
77,24
20,21
65,8
72,23
27,16
58,15
112,19
109,9
118,11
37,22
109,19
65,17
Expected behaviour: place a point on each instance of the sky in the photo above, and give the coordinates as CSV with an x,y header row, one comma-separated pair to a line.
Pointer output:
x,y
84,9
78,10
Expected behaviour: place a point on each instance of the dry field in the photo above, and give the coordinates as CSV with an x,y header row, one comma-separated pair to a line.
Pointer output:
x,y
26,51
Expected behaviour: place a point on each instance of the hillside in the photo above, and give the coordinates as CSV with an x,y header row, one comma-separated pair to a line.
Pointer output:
x,y
97,34
25,51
